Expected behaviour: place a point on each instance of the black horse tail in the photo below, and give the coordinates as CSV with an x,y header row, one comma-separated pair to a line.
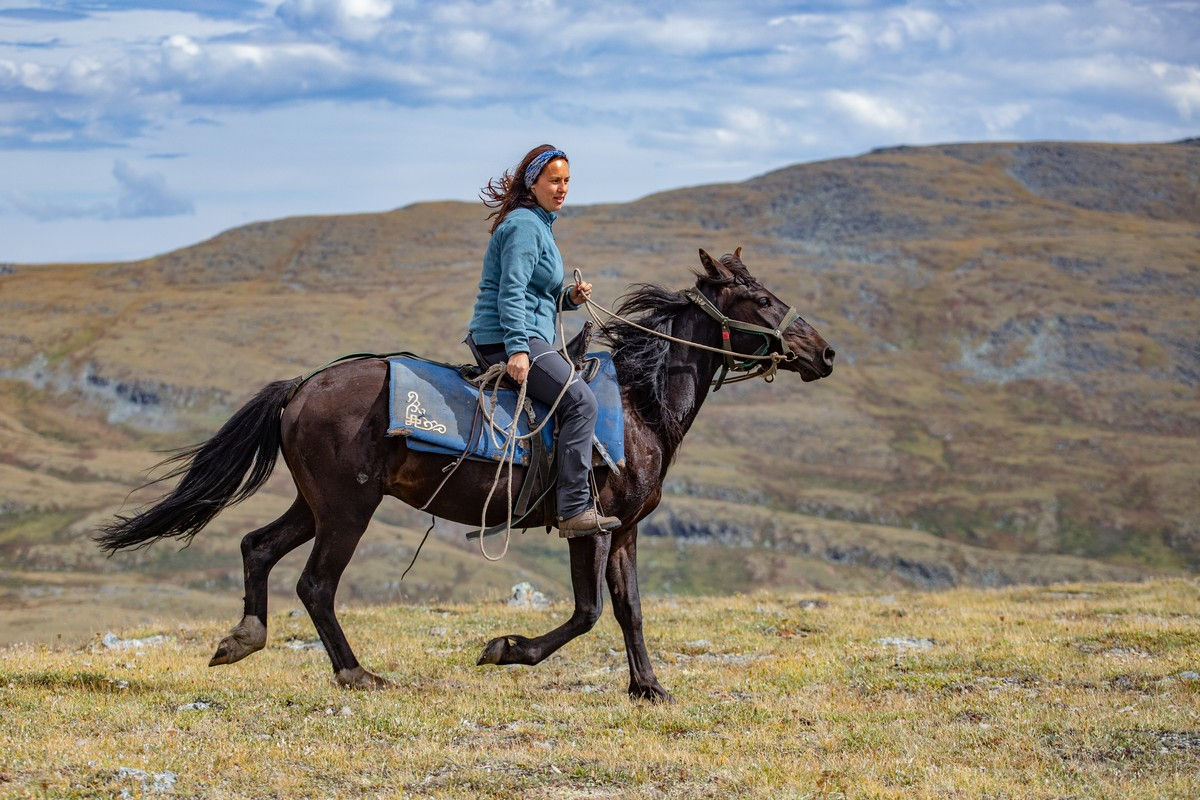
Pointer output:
x,y
225,470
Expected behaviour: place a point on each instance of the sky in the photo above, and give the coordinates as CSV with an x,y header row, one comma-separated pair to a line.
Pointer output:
x,y
130,128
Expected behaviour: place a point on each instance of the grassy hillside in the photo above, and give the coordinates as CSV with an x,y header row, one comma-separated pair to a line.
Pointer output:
x,y
1017,373
1084,690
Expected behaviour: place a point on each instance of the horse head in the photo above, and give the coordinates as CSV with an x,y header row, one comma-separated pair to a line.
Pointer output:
x,y
741,298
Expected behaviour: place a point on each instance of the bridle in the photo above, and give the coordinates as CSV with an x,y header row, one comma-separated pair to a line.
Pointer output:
x,y
766,356
763,363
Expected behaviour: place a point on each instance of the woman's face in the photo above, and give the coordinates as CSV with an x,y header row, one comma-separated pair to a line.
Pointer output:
x,y
550,189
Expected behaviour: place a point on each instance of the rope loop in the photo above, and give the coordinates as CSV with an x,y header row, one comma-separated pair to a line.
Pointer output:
x,y
490,383
506,439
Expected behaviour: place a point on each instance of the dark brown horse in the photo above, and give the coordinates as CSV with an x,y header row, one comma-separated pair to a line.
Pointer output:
x,y
332,435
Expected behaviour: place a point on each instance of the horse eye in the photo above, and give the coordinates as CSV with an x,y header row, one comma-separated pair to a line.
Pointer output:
x,y
764,301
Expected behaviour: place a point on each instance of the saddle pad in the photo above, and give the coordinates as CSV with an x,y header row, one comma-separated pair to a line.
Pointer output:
x,y
434,406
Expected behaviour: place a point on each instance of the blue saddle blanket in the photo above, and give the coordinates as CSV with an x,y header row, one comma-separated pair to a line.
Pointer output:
x,y
434,407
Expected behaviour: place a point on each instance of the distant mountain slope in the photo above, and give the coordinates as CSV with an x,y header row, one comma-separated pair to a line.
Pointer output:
x,y
1016,327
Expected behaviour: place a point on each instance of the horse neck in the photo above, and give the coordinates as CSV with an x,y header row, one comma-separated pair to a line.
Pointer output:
x,y
689,373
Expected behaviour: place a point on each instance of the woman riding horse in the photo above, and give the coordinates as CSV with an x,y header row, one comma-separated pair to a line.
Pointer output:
x,y
515,312
332,431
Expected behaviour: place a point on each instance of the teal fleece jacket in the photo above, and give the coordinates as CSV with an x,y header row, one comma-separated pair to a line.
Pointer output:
x,y
521,282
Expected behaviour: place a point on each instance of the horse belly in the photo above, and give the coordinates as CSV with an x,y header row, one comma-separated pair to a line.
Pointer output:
x,y
416,478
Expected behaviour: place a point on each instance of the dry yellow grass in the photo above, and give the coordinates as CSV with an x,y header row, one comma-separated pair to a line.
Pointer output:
x,y
1072,691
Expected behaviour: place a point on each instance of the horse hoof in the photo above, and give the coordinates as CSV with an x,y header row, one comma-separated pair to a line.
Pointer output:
x,y
653,693
359,678
493,652
248,636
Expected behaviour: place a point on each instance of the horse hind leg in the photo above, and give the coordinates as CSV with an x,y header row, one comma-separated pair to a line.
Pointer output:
x,y
261,551
336,541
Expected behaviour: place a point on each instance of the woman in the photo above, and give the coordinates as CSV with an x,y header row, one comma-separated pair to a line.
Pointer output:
x,y
514,320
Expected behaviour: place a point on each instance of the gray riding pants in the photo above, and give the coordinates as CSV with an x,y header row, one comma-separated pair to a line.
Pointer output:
x,y
575,418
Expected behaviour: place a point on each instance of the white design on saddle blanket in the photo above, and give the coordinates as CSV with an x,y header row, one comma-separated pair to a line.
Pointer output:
x,y
415,415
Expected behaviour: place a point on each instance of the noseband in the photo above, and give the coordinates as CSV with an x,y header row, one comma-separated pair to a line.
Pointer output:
x,y
765,361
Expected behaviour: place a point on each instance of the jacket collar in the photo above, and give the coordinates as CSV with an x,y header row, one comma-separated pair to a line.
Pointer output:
x,y
545,216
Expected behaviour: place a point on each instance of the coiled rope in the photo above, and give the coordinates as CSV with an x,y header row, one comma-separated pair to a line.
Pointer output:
x,y
492,379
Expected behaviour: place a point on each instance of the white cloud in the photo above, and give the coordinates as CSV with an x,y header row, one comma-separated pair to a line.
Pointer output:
x,y
850,42
145,194
868,110
350,19
679,93
1000,120
1183,90
139,195
907,26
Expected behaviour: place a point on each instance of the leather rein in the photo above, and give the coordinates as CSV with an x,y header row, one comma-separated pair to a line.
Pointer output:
x,y
763,363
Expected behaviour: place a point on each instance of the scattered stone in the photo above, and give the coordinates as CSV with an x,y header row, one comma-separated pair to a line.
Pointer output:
x,y
731,658
1189,676
438,631
300,644
525,596
295,612
1126,652
719,658
153,782
114,642
906,643
1169,741
199,705
811,604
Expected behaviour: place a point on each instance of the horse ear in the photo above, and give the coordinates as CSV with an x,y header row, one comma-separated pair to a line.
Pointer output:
x,y
738,253
715,269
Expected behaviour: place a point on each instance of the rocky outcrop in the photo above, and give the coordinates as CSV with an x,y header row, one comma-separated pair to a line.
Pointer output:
x,y
920,560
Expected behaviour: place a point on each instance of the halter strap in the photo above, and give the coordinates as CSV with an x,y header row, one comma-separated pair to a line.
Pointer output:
x,y
772,336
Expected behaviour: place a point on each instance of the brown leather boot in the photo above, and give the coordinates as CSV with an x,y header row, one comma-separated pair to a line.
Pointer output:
x,y
586,523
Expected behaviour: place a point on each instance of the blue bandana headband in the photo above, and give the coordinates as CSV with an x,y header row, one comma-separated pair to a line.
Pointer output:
x,y
538,164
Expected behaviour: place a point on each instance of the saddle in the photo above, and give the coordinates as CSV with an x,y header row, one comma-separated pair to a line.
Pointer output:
x,y
576,353
437,408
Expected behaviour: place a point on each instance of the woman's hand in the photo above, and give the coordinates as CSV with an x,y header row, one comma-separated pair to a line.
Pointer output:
x,y
518,367
581,291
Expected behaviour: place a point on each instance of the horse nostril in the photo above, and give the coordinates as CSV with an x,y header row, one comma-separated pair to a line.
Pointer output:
x,y
828,355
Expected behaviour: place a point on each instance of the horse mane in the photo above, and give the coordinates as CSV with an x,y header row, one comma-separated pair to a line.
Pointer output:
x,y
641,358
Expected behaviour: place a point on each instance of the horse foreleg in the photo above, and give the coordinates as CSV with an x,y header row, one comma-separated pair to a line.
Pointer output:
x,y
588,557
261,550
627,607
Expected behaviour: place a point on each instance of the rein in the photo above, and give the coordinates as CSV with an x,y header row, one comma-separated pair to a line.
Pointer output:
x,y
763,363
769,360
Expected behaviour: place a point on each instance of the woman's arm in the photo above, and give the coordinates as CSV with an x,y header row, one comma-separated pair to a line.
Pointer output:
x,y
518,255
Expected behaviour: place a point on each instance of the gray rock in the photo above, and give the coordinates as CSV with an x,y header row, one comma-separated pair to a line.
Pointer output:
x,y
199,705
114,642
152,782
906,643
299,644
525,596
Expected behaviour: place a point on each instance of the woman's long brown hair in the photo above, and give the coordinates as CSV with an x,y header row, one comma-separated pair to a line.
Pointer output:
x,y
508,192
